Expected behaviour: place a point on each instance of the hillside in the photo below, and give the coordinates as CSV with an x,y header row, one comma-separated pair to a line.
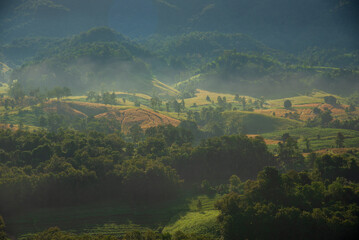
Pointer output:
x,y
5,71
125,117
254,123
192,49
260,75
285,25
99,59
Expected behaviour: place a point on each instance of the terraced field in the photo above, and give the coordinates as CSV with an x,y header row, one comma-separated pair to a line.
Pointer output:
x,y
320,138
117,218
145,118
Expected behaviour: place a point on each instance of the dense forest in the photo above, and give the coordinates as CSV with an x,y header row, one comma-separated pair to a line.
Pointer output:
x,y
70,168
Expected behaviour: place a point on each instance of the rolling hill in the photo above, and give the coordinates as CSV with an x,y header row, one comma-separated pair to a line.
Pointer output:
x,y
262,75
99,59
125,117
254,123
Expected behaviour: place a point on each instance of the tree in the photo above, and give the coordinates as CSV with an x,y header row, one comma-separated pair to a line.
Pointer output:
x,y
339,141
6,104
289,156
91,95
183,104
287,104
307,145
330,100
136,133
234,184
177,106
16,91
208,99
199,204
326,118
236,98
66,91
59,92
155,102
261,101
351,108
2,229
243,100
109,98
219,100
54,122
317,110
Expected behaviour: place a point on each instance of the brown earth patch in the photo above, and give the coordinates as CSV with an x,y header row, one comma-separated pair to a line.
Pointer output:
x,y
8,126
309,105
63,109
126,118
267,141
305,111
145,118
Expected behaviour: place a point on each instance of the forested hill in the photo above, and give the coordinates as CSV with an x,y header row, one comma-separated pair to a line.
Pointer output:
x,y
260,75
96,59
282,24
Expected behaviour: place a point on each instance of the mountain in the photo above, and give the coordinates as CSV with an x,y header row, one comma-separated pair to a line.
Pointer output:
x,y
287,25
281,24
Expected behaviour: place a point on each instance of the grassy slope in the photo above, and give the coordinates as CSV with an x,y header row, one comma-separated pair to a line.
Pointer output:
x,y
3,88
117,218
315,97
258,123
3,70
163,88
201,95
197,221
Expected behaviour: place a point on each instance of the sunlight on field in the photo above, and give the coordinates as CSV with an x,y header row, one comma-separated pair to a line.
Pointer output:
x,y
140,95
305,111
315,97
3,88
4,68
181,116
201,95
320,138
167,89
203,222
115,229
198,221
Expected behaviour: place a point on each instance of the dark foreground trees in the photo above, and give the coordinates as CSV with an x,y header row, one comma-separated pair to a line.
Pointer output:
x,y
50,169
291,206
69,167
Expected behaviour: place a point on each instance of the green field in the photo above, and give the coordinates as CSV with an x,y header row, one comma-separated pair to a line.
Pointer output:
x,y
314,97
256,123
197,221
326,138
117,218
3,88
